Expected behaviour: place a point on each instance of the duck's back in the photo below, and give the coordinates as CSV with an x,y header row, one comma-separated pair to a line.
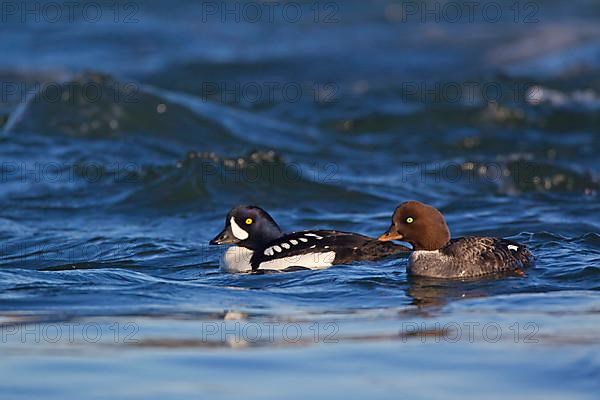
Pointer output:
x,y
471,257
353,247
322,249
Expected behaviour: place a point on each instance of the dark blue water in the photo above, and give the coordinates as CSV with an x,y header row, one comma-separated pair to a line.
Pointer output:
x,y
127,135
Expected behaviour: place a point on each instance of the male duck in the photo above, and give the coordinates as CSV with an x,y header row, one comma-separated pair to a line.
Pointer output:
x,y
261,245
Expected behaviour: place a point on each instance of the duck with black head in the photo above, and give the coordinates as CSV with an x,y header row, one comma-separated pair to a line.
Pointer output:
x,y
436,255
259,245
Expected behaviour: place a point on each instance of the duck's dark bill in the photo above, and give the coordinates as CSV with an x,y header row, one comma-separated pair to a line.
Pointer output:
x,y
225,237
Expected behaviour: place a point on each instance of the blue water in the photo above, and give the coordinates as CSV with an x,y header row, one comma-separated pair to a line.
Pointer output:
x,y
126,138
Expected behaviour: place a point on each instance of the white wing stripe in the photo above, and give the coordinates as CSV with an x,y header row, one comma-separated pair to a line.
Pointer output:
x,y
313,235
310,260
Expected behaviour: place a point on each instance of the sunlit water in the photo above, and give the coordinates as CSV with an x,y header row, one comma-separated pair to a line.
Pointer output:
x,y
109,200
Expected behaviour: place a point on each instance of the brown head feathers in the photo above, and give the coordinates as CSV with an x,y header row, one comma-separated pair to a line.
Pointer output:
x,y
420,225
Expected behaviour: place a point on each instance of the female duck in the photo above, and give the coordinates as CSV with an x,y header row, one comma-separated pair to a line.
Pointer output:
x,y
261,245
435,255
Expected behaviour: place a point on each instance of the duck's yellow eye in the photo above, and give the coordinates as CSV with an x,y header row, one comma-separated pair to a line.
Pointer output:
x,y
410,220
249,221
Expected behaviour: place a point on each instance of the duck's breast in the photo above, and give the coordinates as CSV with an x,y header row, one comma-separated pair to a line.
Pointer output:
x,y
236,260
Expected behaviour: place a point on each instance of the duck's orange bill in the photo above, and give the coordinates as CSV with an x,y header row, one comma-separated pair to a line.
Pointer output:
x,y
386,237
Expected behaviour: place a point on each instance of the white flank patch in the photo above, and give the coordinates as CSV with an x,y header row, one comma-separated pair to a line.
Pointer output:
x,y
277,249
311,261
236,259
269,251
431,254
293,241
285,245
238,232
303,240
513,247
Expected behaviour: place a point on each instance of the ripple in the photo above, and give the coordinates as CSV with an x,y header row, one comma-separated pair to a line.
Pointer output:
x,y
260,176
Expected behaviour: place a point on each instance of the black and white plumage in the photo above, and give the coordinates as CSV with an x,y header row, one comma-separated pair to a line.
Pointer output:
x,y
435,255
260,245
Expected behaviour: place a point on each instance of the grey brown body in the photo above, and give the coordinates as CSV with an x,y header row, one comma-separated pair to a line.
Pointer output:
x,y
470,257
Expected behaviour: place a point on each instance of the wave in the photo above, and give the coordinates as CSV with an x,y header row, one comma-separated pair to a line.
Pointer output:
x,y
93,105
521,174
260,176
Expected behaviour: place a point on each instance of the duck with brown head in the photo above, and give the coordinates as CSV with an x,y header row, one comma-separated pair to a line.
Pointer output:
x,y
436,255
